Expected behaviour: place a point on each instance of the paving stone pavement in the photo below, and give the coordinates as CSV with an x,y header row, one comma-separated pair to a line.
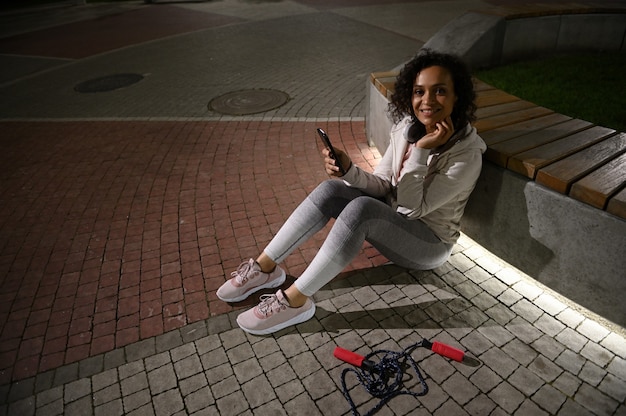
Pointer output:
x,y
121,213
538,354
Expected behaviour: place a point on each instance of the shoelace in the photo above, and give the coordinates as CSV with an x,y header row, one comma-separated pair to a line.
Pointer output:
x,y
241,274
270,304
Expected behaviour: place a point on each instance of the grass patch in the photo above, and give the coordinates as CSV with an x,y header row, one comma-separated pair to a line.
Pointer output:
x,y
589,86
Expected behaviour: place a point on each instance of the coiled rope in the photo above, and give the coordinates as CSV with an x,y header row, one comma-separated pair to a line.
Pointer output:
x,y
384,379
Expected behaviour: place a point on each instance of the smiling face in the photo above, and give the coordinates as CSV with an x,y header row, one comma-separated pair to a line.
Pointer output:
x,y
433,96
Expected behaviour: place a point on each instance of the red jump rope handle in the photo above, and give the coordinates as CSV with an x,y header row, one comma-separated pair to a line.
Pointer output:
x,y
448,351
349,356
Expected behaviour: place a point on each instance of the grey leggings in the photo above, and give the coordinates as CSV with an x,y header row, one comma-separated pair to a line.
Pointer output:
x,y
359,218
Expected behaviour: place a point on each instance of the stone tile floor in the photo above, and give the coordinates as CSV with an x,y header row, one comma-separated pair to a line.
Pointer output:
x,y
539,355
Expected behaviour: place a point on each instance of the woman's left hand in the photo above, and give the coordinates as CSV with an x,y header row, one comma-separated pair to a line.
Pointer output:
x,y
439,136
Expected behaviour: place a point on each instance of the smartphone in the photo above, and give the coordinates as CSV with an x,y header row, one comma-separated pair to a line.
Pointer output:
x,y
331,150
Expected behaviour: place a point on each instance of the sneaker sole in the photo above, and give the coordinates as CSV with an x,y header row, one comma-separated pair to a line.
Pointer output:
x,y
269,285
293,321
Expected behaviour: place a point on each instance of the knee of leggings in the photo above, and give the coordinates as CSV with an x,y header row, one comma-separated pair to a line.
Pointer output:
x,y
325,190
359,210
330,186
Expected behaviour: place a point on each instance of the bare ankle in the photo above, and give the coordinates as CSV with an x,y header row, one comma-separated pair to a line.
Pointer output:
x,y
294,297
266,264
267,269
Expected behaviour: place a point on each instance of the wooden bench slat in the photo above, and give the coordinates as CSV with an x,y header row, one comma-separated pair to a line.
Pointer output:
x,y
383,74
560,175
486,95
482,86
385,86
529,162
488,98
519,129
596,188
494,122
505,108
501,152
617,204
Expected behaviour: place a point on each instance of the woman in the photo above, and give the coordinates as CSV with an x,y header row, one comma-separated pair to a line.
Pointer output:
x,y
409,208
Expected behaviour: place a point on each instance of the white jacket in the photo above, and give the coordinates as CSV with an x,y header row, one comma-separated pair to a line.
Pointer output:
x,y
435,186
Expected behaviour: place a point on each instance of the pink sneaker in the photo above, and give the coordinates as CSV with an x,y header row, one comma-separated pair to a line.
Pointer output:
x,y
247,279
274,314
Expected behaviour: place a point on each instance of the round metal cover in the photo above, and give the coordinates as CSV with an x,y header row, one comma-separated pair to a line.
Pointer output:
x,y
243,102
108,83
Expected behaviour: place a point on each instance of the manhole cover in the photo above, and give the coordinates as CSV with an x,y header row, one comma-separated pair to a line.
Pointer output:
x,y
239,103
108,83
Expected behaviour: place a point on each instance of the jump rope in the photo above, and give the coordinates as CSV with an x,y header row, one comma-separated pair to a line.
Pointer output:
x,y
384,379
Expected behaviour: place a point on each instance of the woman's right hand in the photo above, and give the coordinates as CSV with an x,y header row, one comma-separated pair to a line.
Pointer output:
x,y
329,163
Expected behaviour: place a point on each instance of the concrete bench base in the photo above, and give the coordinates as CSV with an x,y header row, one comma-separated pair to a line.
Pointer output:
x,y
569,246
492,39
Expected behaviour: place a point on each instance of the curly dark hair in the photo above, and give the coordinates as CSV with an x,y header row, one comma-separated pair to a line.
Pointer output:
x,y
401,101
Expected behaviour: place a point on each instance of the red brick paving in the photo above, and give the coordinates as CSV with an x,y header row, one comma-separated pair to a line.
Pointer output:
x,y
112,232
106,33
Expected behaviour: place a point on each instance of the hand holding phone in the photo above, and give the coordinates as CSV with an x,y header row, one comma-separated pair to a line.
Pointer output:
x,y
331,150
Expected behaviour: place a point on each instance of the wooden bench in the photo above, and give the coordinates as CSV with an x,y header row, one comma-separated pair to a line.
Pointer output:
x,y
570,156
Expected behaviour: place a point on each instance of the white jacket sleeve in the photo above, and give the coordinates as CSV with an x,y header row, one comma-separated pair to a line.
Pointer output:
x,y
377,184
423,189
